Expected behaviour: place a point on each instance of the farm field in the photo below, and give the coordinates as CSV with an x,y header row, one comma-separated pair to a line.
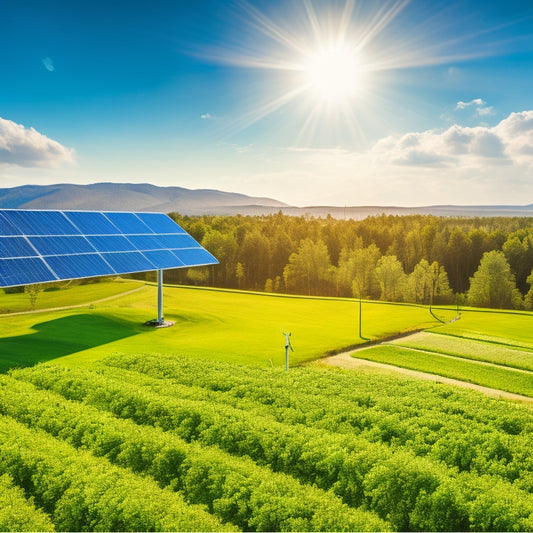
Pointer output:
x,y
467,353
214,324
198,426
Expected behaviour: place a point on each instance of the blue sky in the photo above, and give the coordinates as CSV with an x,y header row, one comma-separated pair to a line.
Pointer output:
x,y
352,102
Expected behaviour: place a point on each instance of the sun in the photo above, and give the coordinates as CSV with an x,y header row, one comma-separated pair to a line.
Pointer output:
x,y
334,74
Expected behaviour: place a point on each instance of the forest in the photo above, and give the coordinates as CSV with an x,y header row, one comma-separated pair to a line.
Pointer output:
x,y
483,262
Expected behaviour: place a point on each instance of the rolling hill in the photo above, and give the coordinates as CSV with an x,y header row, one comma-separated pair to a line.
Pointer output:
x,y
147,197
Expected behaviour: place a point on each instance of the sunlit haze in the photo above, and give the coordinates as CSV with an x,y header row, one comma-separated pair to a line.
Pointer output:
x,y
345,102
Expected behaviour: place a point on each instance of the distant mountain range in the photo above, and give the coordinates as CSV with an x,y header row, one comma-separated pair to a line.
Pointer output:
x,y
146,197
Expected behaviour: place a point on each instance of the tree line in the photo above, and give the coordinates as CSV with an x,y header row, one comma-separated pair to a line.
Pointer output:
x,y
484,262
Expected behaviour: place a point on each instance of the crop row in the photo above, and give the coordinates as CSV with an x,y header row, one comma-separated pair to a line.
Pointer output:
x,y
277,389
496,377
84,493
471,433
234,489
17,513
410,492
469,349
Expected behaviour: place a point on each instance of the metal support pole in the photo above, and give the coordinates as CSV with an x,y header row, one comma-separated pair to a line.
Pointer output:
x,y
360,317
160,318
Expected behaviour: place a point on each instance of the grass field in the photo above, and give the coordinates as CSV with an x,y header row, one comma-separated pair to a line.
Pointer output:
x,y
491,352
495,377
69,295
215,324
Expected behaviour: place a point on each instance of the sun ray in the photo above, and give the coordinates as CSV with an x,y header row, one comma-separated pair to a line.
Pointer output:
x,y
330,58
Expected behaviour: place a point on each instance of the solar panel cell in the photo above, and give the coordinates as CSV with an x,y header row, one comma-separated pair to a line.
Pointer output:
x,y
40,222
75,244
126,262
178,240
24,271
163,258
195,256
79,266
6,228
146,242
111,243
128,223
92,223
15,247
159,223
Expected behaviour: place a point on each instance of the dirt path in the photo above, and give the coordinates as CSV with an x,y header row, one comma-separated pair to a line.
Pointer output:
x,y
345,360
86,304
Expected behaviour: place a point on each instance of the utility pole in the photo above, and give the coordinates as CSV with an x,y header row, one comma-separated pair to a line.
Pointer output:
x,y
360,315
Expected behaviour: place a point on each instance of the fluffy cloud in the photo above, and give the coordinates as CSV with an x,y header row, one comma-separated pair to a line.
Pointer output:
x,y
459,165
475,102
29,148
478,103
508,143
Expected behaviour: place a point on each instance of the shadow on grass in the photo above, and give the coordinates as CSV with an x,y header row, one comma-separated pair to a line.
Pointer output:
x,y
60,337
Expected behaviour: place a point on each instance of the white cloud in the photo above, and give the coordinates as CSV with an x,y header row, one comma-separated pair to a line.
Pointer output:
x,y
48,64
507,143
206,116
458,165
29,148
485,111
475,102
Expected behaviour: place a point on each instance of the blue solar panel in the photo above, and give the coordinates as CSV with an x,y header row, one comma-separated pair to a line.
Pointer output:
x,y
195,256
160,224
128,223
24,271
146,242
40,222
79,266
180,240
40,246
75,244
15,247
163,258
126,262
92,223
6,228
111,243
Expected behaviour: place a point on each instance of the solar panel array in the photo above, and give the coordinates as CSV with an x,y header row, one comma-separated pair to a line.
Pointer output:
x,y
42,246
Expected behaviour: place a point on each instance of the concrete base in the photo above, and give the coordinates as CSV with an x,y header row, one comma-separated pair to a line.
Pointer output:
x,y
157,324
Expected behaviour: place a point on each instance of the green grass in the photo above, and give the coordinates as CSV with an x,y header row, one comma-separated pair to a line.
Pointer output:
x,y
69,295
214,324
469,349
489,376
501,327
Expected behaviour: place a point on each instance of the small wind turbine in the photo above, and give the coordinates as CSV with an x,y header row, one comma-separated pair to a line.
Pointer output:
x,y
287,346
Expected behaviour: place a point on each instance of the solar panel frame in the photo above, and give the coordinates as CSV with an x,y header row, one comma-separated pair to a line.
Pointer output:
x,y
56,245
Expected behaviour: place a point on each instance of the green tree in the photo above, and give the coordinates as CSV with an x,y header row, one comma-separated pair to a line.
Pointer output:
x,y
254,254
392,279
33,292
428,284
309,269
528,298
458,254
240,274
493,284
518,250
224,247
